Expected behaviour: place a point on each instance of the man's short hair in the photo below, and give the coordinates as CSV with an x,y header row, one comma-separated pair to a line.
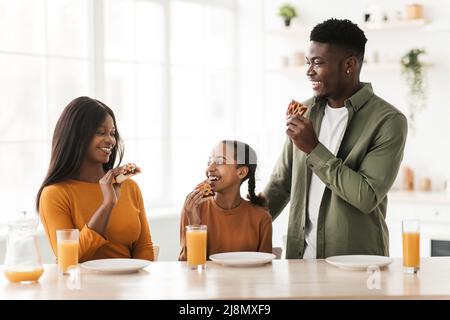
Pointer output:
x,y
343,33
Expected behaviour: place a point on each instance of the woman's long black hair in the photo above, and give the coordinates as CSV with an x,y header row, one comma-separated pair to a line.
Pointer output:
x,y
245,156
73,134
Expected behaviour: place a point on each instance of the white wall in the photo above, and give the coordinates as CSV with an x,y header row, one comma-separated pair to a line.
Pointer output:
x,y
165,231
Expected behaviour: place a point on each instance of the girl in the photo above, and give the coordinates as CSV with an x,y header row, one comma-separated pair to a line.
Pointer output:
x,y
79,190
233,223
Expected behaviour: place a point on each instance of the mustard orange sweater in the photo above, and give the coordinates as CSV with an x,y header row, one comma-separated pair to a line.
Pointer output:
x,y
71,204
245,228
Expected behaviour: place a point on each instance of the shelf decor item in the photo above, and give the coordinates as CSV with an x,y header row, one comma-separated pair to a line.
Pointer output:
x,y
408,179
287,12
413,73
414,11
299,59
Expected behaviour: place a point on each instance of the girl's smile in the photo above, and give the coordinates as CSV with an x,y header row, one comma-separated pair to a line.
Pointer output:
x,y
213,180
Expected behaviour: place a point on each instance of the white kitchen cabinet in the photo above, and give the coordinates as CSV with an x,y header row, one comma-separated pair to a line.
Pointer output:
x,y
432,209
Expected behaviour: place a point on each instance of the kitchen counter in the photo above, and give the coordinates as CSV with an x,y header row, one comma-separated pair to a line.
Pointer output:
x,y
419,197
282,279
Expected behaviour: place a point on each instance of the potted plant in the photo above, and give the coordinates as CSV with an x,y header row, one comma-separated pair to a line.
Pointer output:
x,y
287,12
413,72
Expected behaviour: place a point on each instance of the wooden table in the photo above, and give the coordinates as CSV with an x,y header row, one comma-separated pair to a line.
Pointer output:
x,y
283,279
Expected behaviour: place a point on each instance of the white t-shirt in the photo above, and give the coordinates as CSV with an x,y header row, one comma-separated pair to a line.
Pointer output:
x,y
332,131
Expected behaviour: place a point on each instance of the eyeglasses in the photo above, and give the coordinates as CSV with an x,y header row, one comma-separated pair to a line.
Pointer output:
x,y
217,161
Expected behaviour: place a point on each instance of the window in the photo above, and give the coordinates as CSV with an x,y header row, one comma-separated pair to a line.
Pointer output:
x,y
202,93
44,58
166,68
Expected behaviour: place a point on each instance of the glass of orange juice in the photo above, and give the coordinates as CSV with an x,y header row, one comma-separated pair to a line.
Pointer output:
x,y
196,246
67,241
411,246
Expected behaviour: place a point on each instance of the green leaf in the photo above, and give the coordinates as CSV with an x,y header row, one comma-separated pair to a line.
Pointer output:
x,y
287,11
413,73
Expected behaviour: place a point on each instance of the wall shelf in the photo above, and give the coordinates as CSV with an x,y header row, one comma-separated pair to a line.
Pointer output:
x,y
387,66
394,25
301,31
420,197
301,70
289,71
290,32
384,66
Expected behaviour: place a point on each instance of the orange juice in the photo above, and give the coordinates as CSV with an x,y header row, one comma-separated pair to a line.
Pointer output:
x,y
411,249
67,254
196,247
24,275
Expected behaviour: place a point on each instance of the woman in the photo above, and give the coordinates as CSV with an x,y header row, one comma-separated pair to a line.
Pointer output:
x,y
234,224
80,192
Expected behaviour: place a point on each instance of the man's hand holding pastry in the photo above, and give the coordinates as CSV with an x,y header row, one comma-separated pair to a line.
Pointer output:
x,y
299,128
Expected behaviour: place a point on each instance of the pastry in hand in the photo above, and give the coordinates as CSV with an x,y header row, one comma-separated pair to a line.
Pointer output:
x,y
296,108
205,188
130,170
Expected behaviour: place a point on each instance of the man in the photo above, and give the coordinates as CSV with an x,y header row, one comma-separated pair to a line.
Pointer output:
x,y
339,159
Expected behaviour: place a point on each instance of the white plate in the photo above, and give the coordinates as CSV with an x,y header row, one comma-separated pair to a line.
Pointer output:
x,y
242,259
116,265
358,262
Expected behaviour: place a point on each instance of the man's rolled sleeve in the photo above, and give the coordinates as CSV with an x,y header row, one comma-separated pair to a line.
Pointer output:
x,y
318,157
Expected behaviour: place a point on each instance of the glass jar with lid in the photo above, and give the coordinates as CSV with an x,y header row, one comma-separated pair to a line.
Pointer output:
x,y
23,260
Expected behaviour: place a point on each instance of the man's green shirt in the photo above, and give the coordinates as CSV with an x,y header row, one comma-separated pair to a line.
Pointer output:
x,y
353,209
